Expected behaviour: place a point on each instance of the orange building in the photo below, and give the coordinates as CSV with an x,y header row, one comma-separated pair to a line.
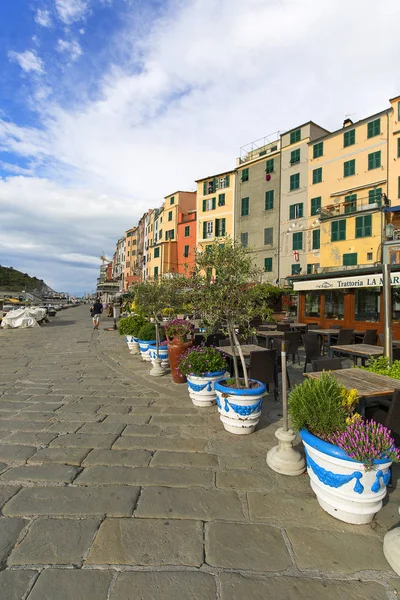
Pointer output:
x,y
186,241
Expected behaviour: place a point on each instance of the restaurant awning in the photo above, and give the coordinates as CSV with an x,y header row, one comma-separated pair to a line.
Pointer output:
x,y
344,283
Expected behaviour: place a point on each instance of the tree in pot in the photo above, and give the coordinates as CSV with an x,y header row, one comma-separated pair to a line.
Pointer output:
x,y
129,327
202,366
227,293
348,459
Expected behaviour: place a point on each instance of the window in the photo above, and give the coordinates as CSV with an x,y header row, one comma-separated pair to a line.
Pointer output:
x,y
398,147
244,239
169,235
245,207
316,239
369,256
186,251
160,234
172,201
220,227
269,200
295,181
224,182
297,242
155,272
318,150
209,204
295,156
269,165
296,268
313,302
334,305
363,226
350,259
296,211
375,196
245,175
221,200
349,138
338,231
367,304
374,160
156,252
170,215
350,203
349,168
374,128
209,187
315,205
317,175
207,229
268,236
187,230
295,136
268,265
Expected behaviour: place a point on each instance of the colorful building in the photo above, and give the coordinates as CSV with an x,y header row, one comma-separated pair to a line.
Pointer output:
x,y
215,207
186,249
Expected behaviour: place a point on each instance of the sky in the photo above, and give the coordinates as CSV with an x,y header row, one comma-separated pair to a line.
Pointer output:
x,y
107,106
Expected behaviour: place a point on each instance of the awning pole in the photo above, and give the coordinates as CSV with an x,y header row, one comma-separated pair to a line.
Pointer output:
x,y
387,313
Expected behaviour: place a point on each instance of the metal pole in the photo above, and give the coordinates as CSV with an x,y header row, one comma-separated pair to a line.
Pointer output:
x,y
284,388
387,312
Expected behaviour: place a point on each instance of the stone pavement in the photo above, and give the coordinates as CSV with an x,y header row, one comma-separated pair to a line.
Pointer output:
x,y
113,486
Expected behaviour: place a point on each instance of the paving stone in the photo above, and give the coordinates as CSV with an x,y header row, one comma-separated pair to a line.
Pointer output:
x,y
52,473
76,408
164,586
265,480
145,476
9,532
2,467
67,584
184,459
244,463
27,438
102,428
13,425
113,409
236,587
65,427
73,501
347,552
55,542
242,447
16,454
7,492
148,542
123,458
246,547
43,406
83,440
14,584
206,505
64,456
38,417
128,419
179,419
13,406
185,432
132,442
141,430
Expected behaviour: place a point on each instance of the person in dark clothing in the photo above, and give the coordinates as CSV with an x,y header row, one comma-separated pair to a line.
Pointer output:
x,y
95,311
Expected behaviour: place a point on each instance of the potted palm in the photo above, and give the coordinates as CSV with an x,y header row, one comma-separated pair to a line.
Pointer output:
x,y
348,459
202,366
129,327
228,295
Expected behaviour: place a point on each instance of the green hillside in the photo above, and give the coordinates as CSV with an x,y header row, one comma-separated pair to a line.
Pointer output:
x,y
15,281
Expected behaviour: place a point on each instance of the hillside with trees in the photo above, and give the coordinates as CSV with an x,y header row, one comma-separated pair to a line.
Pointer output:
x,y
16,281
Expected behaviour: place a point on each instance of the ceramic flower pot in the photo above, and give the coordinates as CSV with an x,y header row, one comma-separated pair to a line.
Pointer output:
x,y
162,353
201,388
343,486
144,348
239,409
133,345
175,349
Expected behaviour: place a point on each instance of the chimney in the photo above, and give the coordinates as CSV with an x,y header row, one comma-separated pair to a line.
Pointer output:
x,y
347,123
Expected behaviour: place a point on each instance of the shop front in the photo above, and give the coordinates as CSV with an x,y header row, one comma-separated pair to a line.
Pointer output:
x,y
353,301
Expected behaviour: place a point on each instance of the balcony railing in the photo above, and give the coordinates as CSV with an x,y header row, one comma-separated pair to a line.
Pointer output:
x,y
345,209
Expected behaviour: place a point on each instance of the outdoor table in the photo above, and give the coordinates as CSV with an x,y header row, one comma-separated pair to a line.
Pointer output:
x,y
328,333
246,349
298,325
366,383
270,335
362,351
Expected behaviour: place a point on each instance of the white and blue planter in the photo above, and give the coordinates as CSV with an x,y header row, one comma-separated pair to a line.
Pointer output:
x,y
201,388
239,409
144,348
133,345
344,488
162,354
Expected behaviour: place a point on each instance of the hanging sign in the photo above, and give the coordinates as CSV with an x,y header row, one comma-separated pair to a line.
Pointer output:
x,y
344,283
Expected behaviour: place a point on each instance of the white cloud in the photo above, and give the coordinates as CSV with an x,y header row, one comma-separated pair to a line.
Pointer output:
x,y
72,48
70,11
42,17
29,61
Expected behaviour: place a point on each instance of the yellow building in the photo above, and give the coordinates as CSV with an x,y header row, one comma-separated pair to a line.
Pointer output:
x,y
394,152
130,257
215,207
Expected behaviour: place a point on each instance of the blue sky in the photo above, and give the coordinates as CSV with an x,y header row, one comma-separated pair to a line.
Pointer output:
x,y
106,106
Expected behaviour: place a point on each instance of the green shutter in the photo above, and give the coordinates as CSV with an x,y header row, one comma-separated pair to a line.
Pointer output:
x,y
204,205
269,166
268,265
316,237
227,180
221,200
374,160
349,168
349,138
295,156
223,230
297,241
269,200
245,207
295,136
318,150
204,230
338,231
317,175
364,226
204,188
295,181
291,211
215,184
350,259
217,227
375,196
315,205
398,147
350,205
214,203
374,128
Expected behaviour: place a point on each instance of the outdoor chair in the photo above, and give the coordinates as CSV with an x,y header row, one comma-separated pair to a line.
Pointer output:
x,y
313,326
283,327
396,353
368,337
198,339
312,348
214,339
263,367
225,342
326,364
387,413
344,337
294,339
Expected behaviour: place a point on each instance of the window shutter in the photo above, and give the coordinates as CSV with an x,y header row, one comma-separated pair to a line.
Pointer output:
x,y
227,180
214,203
291,211
204,230
204,205
215,185
222,227
204,188
217,227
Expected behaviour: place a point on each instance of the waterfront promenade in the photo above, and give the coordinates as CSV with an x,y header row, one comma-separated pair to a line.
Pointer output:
x,y
113,486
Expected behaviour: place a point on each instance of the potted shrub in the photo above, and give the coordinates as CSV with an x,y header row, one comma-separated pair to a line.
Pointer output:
x,y
147,336
348,460
179,334
228,296
202,366
129,327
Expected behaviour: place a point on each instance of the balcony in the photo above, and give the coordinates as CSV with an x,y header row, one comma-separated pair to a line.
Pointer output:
x,y
346,209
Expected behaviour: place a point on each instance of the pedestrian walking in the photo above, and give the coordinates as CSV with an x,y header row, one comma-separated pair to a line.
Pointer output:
x,y
95,311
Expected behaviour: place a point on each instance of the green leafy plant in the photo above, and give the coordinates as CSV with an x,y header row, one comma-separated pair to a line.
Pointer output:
x,y
131,325
147,332
200,360
381,365
179,328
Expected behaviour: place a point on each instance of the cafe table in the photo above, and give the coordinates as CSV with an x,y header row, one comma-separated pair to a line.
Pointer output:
x,y
366,383
270,335
363,351
246,349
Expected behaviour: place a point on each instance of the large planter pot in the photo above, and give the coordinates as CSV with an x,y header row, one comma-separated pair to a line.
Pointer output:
x,y
144,348
201,388
175,348
132,342
344,488
162,353
239,409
